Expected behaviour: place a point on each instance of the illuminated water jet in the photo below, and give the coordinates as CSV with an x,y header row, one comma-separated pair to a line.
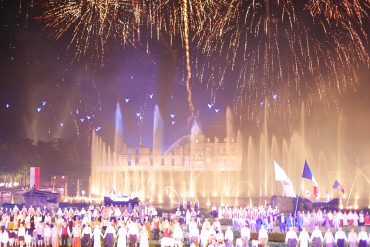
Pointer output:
x,y
118,135
219,170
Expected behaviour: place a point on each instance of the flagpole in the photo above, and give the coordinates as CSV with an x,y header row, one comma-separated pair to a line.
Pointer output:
x,y
299,192
276,188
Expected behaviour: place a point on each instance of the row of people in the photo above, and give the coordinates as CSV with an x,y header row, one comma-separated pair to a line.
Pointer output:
x,y
30,226
329,239
340,217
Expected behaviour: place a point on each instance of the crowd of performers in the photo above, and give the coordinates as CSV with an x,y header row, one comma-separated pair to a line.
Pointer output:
x,y
136,225
270,217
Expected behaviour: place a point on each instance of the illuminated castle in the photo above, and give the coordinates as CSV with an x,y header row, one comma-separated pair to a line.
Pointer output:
x,y
183,168
198,154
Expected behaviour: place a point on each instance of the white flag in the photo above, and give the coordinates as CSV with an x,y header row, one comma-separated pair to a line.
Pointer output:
x,y
281,176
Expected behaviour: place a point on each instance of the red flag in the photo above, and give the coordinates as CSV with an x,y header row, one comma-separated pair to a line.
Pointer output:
x,y
315,191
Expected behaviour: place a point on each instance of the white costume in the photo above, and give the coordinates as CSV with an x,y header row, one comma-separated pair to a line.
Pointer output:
x,y
97,237
144,242
304,238
122,235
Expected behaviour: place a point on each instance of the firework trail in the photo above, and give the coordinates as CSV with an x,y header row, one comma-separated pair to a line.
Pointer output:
x,y
338,10
74,120
182,21
283,53
91,25
187,51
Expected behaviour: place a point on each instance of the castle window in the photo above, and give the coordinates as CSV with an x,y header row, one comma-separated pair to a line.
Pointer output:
x,y
162,162
173,162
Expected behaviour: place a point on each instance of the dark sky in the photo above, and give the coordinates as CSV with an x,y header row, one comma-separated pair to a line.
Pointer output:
x,y
43,95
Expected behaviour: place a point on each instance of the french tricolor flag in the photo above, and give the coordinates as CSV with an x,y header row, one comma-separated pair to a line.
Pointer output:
x,y
338,186
35,177
307,173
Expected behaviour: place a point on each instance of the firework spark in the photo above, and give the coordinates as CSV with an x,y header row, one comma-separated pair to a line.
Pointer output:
x,y
285,51
176,18
338,10
277,48
188,67
179,20
91,24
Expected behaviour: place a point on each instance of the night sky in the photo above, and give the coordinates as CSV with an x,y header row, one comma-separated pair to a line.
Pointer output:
x,y
45,95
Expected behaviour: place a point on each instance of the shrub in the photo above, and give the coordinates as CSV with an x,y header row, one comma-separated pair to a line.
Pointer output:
x,y
278,237
225,222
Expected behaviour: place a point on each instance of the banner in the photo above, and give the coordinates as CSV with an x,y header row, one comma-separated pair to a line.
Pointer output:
x,y
281,176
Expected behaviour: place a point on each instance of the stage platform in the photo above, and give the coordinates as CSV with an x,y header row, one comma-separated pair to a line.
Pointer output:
x,y
289,204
